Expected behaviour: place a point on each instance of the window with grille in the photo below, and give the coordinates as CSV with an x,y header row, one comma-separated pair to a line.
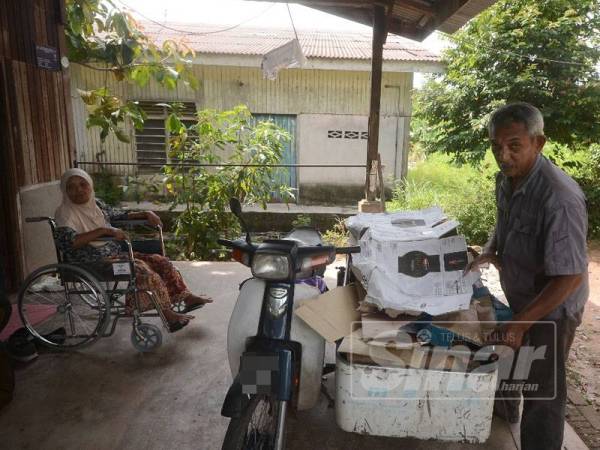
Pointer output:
x,y
151,142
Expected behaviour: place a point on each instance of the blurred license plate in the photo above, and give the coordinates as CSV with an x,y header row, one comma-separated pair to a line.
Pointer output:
x,y
259,373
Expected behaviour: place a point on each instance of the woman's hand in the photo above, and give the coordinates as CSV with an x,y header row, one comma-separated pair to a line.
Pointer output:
x,y
85,238
484,258
116,233
153,219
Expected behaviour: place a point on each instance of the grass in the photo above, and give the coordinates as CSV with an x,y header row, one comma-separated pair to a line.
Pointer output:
x,y
465,193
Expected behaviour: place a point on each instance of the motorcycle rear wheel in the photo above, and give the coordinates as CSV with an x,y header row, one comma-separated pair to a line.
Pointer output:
x,y
256,429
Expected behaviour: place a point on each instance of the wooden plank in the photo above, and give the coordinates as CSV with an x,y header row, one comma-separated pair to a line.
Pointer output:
x,y
4,36
9,227
28,35
379,34
26,126
23,164
42,127
381,185
56,141
37,123
61,106
443,11
61,144
67,109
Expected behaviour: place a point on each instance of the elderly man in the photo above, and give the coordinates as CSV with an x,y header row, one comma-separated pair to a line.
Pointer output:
x,y
539,246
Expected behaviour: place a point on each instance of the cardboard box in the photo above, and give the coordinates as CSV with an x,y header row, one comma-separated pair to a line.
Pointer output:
x,y
357,351
381,326
474,324
333,314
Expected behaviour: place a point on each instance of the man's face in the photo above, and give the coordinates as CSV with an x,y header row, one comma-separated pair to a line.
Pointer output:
x,y
515,150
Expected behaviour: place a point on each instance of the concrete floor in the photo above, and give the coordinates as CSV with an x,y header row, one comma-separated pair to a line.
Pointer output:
x,y
109,396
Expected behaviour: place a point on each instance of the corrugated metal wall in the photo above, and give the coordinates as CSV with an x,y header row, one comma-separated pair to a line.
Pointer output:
x,y
36,140
298,91
223,87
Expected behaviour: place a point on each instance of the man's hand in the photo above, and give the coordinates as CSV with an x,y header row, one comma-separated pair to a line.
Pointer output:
x,y
153,219
510,334
484,258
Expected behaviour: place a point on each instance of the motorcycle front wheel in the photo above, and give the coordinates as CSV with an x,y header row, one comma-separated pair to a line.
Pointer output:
x,y
258,426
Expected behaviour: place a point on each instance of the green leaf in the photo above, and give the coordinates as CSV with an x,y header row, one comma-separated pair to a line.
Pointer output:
x,y
174,124
121,136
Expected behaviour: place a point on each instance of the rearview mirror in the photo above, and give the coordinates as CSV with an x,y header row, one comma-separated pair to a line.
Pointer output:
x,y
235,206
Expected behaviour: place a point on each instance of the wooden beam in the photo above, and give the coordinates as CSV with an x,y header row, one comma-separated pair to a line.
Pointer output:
x,y
379,36
406,29
333,3
443,11
415,6
336,3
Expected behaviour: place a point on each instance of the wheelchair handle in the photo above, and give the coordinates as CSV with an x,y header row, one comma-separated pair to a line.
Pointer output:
x,y
37,219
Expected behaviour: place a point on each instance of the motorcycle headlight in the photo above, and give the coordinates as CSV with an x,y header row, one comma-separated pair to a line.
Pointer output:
x,y
271,266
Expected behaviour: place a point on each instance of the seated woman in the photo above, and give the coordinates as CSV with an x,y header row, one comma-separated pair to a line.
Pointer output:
x,y
82,219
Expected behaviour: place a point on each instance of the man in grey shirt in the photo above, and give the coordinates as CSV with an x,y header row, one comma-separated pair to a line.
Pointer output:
x,y
539,246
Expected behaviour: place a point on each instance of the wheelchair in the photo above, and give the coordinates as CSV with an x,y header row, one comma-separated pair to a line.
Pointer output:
x,y
67,306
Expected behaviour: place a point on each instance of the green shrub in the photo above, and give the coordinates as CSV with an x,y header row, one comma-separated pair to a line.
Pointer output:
x,y
302,220
337,235
591,186
465,193
248,151
107,188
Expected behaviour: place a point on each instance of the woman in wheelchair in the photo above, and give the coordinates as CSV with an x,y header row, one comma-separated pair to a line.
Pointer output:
x,y
82,220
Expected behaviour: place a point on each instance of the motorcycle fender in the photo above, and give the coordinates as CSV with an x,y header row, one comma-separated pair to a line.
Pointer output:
x,y
244,324
235,401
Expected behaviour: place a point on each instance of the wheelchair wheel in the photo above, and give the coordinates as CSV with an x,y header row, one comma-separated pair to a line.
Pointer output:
x,y
146,338
63,306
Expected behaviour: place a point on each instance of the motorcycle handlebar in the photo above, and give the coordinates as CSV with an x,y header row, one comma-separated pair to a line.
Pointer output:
x,y
241,244
347,250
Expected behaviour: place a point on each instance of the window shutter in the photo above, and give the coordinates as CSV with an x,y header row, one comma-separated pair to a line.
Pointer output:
x,y
151,142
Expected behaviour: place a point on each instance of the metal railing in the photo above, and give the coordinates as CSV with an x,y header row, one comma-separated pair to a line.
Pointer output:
x,y
183,164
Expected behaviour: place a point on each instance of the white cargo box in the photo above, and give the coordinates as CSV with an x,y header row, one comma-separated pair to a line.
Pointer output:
x,y
419,403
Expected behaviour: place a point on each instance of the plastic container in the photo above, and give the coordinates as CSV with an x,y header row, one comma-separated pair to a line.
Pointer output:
x,y
419,403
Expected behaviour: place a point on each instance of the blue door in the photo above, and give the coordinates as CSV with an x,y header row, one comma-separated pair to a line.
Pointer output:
x,y
284,175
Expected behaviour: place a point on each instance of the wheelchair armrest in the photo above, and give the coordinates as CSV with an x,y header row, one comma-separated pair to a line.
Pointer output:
x,y
109,239
134,223
37,219
144,223
126,241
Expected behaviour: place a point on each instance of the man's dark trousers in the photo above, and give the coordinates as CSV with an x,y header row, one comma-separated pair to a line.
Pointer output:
x,y
542,421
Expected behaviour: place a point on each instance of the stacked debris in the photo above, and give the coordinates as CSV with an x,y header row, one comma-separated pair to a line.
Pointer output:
x,y
412,360
413,288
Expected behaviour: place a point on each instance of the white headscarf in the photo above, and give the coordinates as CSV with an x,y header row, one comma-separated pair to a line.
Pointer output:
x,y
81,218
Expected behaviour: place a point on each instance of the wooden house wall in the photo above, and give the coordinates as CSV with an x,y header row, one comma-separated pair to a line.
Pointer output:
x,y
35,112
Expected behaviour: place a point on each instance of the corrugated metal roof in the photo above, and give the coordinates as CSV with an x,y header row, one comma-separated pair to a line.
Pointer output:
x,y
315,44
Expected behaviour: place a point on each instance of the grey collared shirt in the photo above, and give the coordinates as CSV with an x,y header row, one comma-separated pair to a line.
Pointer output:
x,y
541,231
